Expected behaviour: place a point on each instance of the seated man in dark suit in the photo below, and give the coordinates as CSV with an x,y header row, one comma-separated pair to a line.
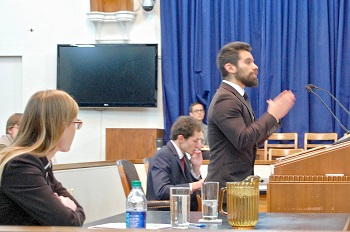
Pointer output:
x,y
171,167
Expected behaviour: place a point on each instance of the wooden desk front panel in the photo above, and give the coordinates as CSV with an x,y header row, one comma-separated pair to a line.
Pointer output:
x,y
122,143
308,197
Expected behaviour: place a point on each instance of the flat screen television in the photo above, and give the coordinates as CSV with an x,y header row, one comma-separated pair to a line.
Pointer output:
x,y
109,75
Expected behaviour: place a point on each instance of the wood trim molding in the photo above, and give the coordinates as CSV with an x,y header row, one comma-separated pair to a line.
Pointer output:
x,y
57,167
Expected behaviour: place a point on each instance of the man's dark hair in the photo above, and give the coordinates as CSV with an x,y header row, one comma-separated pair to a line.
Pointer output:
x,y
195,103
229,54
185,126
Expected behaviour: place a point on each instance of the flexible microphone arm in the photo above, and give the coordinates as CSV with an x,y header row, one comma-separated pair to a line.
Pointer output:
x,y
308,88
335,99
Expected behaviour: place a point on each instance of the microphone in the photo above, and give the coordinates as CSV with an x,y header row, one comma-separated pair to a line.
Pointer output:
x,y
335,99
308,88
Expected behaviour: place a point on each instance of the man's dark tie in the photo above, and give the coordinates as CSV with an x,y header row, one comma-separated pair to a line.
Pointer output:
x,y
246,98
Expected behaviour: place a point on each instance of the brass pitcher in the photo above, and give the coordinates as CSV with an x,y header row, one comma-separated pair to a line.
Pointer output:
x,y
242,202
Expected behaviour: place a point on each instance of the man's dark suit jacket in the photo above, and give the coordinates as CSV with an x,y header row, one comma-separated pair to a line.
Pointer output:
x,y
165,171
234,136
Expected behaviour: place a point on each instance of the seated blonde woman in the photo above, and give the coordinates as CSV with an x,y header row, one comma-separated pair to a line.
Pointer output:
x,y
29,192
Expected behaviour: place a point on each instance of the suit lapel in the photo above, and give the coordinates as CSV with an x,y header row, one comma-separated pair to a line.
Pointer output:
x,y
240,98
176,157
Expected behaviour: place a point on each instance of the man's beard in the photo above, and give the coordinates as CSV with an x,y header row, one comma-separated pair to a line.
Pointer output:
x,y
247,81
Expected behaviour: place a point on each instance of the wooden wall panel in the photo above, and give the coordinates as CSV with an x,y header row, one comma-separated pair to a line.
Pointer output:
x,y
123,143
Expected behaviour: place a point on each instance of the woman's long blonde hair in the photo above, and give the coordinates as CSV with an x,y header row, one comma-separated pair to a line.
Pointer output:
x,y
44,120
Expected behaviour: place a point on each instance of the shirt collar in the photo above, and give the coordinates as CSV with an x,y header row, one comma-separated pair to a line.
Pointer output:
x,y
47,164
178,150
239,89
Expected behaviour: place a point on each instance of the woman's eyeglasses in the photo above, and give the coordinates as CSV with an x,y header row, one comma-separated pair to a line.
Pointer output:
x,y
78,124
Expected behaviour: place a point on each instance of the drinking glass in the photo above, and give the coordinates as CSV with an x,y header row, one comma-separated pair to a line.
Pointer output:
x,y
180,207
210,196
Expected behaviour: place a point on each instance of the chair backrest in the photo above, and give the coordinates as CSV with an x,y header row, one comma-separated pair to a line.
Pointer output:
x,y
146,163
260,154
127,173
276,153
282,141
319,139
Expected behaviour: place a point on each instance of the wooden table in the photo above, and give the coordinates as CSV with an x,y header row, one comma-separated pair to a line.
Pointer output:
x,y
267,221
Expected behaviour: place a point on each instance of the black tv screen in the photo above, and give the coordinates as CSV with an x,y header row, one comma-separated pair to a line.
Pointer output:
x,y
109,75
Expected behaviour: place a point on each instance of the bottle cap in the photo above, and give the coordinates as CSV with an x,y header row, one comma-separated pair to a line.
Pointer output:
x,y
135,183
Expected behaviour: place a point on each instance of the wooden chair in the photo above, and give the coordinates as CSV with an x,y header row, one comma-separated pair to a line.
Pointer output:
x,y
128,173
260,154
146,163
280,141
277,153
312,140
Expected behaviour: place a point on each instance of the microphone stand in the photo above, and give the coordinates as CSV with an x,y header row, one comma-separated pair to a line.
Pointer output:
x,y
346,137
335,99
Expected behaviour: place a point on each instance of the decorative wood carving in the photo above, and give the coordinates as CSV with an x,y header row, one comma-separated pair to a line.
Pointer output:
x,y
111,5
112,20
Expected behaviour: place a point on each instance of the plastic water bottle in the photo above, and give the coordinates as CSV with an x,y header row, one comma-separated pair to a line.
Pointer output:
x,y
136,207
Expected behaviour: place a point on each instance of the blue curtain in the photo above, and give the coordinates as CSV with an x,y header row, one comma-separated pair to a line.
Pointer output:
x,y
295,42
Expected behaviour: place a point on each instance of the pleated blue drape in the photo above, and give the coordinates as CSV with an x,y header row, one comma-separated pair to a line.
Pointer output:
x,y
295,42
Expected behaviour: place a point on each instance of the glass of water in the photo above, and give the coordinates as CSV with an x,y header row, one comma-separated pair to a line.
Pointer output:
x,y
180,207
210,196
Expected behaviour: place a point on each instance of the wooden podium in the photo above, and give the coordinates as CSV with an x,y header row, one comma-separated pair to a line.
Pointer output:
x,y
131,143
312,181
